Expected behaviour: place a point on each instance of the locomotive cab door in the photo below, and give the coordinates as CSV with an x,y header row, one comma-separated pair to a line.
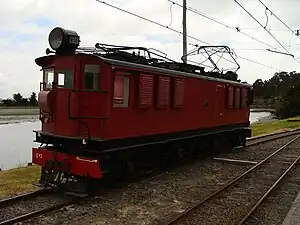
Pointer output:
x,y
92,99
63,83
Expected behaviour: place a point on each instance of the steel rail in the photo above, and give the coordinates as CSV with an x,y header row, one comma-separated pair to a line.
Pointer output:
x,y
269,137
8,201
37,213
182,215
268,192
273,134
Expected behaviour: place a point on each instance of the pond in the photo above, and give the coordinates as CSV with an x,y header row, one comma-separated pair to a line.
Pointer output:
x,y
260,117
16,138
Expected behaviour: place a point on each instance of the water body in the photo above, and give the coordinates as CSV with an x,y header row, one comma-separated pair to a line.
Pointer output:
x,y
260,117
16,138
16,142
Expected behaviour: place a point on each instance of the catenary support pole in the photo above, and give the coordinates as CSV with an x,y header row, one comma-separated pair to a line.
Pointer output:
x,y
184,33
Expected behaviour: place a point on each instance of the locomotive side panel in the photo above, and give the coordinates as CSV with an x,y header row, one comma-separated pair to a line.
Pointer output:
x,y
234,110
192,104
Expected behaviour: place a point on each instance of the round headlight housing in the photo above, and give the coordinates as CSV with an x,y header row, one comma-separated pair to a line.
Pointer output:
x,y
63,40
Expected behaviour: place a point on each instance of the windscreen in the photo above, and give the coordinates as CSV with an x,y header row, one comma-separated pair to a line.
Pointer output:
x,y
48,79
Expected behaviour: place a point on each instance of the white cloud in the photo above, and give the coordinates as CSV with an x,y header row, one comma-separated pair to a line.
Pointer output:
x,y
24,34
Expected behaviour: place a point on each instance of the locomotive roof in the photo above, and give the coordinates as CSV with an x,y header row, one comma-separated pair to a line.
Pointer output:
x,y
151,68
167,71
118,55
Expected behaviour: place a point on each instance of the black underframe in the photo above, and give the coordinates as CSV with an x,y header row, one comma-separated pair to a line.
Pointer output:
x,y
95,147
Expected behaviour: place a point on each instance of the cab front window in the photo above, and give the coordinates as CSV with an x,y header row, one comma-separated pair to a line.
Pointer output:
x,y
48,78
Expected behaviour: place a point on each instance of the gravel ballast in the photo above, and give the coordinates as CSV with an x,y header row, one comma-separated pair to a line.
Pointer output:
x,y
30,205
277,205
233,203
162,196
148,201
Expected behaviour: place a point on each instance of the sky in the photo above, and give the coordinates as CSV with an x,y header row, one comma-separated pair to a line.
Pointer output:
x,y
26,24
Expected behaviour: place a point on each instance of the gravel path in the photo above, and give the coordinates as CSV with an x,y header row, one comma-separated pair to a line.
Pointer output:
x,y
162,196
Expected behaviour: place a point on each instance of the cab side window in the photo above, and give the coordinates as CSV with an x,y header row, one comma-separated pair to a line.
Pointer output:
x,y
64,78
91,76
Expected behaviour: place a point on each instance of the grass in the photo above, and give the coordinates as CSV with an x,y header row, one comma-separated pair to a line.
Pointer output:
x,y
274,126
18,181
18,111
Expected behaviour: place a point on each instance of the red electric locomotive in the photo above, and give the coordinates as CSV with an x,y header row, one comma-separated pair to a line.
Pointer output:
x,y
103,108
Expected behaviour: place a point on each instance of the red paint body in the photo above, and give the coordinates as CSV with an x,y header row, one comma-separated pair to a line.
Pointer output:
x,y
204,104
80,166
158,103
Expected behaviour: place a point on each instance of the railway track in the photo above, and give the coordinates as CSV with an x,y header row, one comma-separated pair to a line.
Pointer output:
x,y
269,137
27,206
237,200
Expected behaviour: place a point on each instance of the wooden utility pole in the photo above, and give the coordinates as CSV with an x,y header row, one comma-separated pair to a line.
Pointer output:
x,y
184,32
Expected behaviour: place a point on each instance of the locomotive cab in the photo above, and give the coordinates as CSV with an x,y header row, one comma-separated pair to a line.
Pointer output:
x,y
70,93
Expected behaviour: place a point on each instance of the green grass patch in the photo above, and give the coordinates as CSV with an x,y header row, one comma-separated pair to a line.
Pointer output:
x,y
274,126
18,181
18,111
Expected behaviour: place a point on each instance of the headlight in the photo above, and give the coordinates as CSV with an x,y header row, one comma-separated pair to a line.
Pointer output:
x,y
63,40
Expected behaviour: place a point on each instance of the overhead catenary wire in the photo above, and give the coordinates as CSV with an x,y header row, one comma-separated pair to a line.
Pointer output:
x,y
259,63
151,21
263,49
236,29
179,32
266,30
267,8
156,23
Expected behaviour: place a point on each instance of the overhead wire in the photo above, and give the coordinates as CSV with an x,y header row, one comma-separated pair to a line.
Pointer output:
x,y
252,28
267,31
171,15
272,13
156,23
267,19
150,21
236,29
250,60
267,8
263,49
179,32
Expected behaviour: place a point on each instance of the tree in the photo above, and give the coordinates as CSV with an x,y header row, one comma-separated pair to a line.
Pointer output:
x,y
24,102
290,104
33,99
7,102
18,98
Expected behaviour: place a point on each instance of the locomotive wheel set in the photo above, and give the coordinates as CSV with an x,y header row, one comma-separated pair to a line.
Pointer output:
x,y
106,110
